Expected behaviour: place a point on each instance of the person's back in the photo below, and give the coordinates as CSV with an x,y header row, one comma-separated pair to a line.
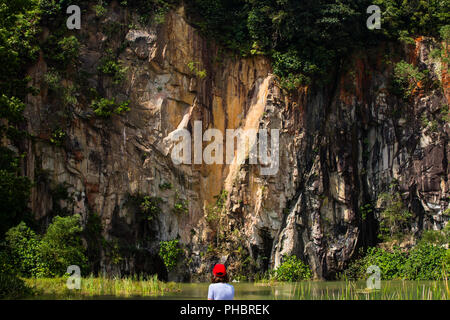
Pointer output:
x,y
220,291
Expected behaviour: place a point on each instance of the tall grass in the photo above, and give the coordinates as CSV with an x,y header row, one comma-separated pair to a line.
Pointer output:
x,y
390,290
91,287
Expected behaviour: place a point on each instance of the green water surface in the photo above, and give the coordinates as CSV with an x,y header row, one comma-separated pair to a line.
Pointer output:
x,y
333,290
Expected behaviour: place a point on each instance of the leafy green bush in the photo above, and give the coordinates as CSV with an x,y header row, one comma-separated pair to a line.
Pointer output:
x,y
394,218
58,137
24,252
11,108
303,38
436,237
426,262
169,252
390,263
69,50
150,207
307,39
19,44
33,256
423,262
193,67
110,67
181,205
414,17
213,211
100,10
12,287
147,206
61,51
406,79
53,79
292,269
14,193
104,108
61,245
441,51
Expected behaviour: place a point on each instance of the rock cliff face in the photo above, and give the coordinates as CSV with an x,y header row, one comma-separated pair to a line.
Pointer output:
x,y
341,146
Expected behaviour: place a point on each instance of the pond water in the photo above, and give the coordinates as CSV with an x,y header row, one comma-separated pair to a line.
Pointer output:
x,y
320,290
305,290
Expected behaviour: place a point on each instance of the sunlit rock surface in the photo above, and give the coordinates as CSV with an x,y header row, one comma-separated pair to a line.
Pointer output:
x,y
340,147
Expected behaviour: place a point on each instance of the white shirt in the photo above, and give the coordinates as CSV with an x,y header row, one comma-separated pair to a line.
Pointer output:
x,y
220,291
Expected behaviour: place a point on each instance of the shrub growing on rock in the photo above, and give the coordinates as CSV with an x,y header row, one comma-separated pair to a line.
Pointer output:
x,y
30,255
169,251
293,269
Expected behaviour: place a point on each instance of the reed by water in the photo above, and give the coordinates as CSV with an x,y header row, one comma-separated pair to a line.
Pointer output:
x,y
129,287
139,287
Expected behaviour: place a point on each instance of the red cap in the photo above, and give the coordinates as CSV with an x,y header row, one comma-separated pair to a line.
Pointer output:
x,y
219,270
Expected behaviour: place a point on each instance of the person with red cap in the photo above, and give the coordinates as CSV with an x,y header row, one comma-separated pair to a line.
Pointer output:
x,y
220,289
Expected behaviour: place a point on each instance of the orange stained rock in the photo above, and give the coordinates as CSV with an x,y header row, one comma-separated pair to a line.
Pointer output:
x,y
358,82
360,79
303,97
344,96
414,54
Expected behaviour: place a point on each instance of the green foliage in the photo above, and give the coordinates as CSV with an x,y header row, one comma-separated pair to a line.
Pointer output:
x,y
169,252
14,194
444,32
60,192
53,80
415,17
405,38
61,51
366,210
19,29
58,137
113,251
394,219
193,67
441,51
110,67
307,39
146,206
181,206
100,10
11,108
104,108
390,263
426,262
406,79
69,50
303,38
61,245
292,269
436,237
150,207
30,255
165,186
213,211
423,262
24,251
12,287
